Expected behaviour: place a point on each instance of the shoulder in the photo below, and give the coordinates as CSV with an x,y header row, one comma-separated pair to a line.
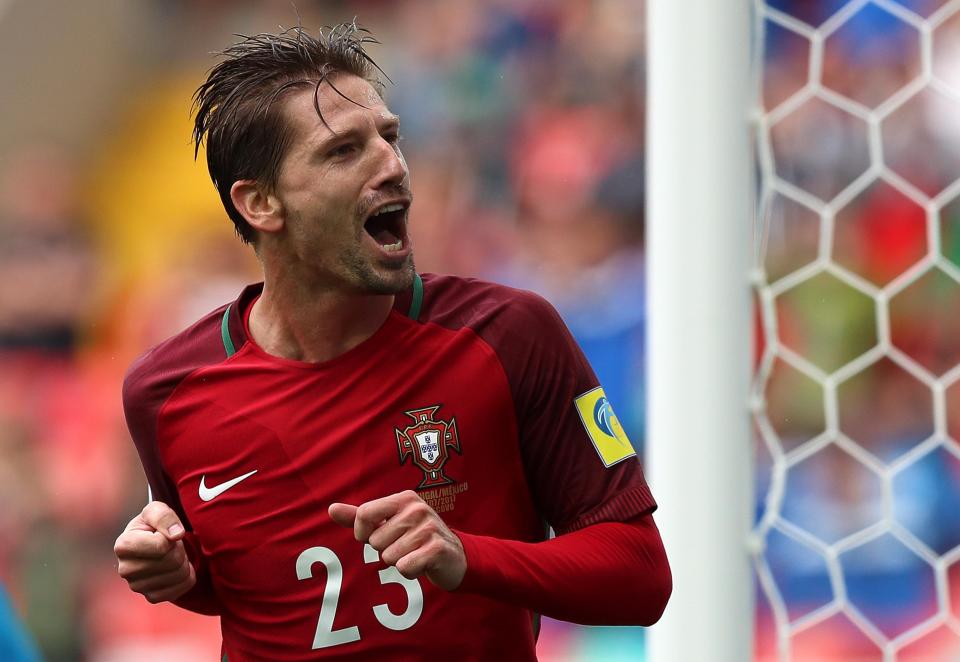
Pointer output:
x,y
522,328
455,301
155,374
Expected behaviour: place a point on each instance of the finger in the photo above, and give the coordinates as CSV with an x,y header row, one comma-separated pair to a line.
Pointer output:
x,y
413,513
137,568
162,581
343,514
172,592
417,562
141,569
372,514
391,530
162,518
142,545
402,545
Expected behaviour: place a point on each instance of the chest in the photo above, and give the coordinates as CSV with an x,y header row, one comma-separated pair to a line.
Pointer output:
x,y
258,452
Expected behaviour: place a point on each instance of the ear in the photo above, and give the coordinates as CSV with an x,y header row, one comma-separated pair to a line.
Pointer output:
x,y
262,210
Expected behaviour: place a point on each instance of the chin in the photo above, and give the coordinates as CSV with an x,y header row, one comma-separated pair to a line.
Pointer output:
x,y
391,280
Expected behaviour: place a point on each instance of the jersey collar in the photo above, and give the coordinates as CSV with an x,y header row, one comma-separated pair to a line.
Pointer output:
x,y
233,331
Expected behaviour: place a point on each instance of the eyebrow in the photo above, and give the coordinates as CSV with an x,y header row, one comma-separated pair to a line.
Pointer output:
x,y
389,121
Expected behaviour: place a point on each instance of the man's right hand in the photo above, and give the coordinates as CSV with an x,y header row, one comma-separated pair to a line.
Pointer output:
x,y
151,555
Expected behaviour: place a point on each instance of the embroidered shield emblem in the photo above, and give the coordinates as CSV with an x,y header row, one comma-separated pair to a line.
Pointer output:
x,y
427,442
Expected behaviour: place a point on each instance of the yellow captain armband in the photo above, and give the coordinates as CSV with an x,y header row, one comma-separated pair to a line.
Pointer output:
x,y
603,427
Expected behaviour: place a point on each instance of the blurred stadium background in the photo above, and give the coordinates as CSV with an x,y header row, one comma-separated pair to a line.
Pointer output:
x,y
523,124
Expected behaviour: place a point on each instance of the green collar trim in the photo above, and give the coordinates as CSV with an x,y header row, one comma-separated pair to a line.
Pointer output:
x,y
417,300
225,333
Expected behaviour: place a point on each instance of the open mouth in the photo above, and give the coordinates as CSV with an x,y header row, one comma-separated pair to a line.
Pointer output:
x,y
387,226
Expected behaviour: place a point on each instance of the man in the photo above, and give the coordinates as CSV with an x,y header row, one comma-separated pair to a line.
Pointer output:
x,y
354,461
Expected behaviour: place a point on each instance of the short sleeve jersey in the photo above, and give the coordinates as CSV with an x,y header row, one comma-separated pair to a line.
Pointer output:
x,y
468,393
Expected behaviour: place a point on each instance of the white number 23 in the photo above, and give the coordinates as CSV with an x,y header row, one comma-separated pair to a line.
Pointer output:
x,y
325,635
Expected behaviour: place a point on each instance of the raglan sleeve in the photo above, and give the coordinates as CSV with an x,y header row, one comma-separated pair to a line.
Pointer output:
x,y
580,466
607,564
143,397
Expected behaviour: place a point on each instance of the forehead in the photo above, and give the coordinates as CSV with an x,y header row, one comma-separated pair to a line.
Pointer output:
x,y
362,105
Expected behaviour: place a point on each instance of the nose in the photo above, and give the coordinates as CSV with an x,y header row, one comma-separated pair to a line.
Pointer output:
x,y
391,166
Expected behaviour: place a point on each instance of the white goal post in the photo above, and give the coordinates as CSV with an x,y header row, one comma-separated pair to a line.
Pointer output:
x,y
700,215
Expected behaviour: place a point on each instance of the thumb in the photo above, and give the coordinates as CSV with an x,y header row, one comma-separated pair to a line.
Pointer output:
x,y
343,514
161,517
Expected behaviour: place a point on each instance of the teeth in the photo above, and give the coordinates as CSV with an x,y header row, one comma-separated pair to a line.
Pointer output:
x,y
393,247
389,208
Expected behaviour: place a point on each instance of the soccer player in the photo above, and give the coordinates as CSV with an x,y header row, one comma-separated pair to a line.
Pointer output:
x,y
354,460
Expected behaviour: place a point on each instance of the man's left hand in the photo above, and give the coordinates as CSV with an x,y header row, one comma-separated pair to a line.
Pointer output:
x,y
409,535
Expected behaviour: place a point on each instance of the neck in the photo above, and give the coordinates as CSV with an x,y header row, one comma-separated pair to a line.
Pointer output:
x,y
314,324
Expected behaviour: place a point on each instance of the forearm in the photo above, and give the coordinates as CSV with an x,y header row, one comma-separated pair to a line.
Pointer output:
x,y
201,598
612,573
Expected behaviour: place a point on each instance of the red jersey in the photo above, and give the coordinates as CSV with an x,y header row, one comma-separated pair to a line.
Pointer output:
x,y
473,394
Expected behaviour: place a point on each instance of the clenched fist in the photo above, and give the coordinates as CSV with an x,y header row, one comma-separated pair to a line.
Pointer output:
x,y
409,535
152,557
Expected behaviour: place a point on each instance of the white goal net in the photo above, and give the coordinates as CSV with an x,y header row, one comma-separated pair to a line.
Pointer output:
x,y
856,397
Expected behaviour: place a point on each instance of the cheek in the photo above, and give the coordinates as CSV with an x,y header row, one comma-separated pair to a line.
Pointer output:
x,y
323,201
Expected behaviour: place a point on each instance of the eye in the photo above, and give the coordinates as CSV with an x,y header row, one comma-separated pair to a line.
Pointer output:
x,y
393,137
346,149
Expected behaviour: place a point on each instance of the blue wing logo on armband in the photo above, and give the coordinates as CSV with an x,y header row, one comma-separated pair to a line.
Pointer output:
x,y
604,417
603,427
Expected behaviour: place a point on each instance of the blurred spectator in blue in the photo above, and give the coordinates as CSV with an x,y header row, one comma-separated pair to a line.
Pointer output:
x,y
579,243
15,644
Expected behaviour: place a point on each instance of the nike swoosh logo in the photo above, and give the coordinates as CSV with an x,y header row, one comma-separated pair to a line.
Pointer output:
x,y
210,493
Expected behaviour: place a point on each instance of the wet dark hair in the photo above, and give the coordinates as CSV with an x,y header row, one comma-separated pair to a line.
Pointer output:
x,y
236,110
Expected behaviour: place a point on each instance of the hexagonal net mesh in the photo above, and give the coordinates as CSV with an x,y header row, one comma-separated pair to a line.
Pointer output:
x,y
856,398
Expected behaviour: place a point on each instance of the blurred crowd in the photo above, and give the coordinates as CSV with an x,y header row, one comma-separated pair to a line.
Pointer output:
x,y
523,124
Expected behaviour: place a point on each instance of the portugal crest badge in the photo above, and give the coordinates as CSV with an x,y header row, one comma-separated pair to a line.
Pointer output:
x,y
427,441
